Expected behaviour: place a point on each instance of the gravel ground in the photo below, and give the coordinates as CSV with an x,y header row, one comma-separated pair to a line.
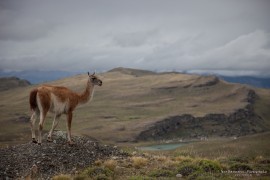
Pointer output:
x,y
51,158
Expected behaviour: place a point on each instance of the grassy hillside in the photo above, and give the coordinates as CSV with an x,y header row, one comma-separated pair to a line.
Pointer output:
x,y
129,101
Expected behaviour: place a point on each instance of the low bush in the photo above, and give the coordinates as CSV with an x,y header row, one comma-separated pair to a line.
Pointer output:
x,y
139,162
188,168
110,164
95,172
199,168
240,167
209,166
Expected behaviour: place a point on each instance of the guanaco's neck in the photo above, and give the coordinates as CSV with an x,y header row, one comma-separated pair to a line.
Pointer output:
x,y
87,94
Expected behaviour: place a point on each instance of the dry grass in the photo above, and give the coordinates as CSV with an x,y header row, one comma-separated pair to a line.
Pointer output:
x,y
110,164
62,177
139,162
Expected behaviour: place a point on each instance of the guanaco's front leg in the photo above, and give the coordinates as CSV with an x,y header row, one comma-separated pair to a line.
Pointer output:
x,y
69,120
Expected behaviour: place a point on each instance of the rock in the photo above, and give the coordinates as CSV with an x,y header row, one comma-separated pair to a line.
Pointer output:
x,y
52,158
179,175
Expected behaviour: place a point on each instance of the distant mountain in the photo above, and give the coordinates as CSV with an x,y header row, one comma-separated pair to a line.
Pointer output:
x,y
36,77
7,83
253,81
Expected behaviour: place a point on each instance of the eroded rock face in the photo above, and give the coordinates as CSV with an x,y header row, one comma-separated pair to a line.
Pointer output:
x,y
242,122
52,158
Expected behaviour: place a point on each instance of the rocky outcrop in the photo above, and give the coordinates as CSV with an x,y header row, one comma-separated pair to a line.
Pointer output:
x,y
42,162
204,81
242,122
7,83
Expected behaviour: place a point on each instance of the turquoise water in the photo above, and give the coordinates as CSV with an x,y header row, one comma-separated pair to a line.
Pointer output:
x,y
162,147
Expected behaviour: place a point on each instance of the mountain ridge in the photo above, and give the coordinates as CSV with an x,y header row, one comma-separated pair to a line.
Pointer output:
x,y
131,71
7,83
36,77
127,104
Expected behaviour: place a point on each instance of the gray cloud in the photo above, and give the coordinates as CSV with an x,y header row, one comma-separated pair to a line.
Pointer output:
x,y
227,37
16,26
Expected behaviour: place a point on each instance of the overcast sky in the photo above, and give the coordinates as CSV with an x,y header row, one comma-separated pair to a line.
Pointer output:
x,y
231,37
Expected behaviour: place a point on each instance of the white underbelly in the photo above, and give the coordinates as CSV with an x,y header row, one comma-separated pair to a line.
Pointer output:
x,y
57,106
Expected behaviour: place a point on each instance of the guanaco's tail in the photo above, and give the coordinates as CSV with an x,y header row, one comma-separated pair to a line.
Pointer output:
x,y
33,99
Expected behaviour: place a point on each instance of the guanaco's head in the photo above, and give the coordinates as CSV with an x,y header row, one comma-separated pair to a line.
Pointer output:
x,y
94,79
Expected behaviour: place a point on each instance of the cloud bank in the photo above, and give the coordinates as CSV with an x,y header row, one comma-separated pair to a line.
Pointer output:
x,y
225,37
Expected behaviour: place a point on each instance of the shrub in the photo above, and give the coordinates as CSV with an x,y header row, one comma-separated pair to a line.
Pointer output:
x,y
197,168
188,168
110,164
139,162
240,167
209,166
97,171
262,160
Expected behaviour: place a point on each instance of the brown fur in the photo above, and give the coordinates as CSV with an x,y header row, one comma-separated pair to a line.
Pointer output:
x,y
59,100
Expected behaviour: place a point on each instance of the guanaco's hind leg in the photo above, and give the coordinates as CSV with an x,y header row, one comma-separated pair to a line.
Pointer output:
x,y
40,126
54,125
32,123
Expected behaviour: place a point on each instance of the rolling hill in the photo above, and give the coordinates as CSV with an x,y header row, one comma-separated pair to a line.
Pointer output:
x,y
136,105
